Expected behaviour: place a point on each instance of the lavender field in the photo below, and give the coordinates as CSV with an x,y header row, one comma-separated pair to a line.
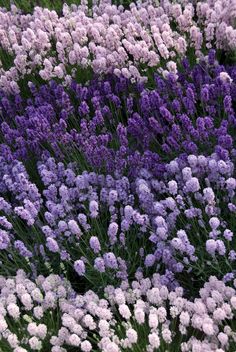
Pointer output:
x,y
117,176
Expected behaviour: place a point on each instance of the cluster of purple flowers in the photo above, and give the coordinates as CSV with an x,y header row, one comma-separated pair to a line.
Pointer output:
x,y
121,127
69,215
183,220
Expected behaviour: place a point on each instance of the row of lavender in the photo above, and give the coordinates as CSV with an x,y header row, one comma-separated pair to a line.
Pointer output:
x,y
117,196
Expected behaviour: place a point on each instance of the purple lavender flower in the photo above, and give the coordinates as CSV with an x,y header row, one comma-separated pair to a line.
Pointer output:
x,y
110,260
79,267
4,239
95,244
99,265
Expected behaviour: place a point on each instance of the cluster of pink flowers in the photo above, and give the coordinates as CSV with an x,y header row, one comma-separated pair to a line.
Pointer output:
x,y
108,38
88,321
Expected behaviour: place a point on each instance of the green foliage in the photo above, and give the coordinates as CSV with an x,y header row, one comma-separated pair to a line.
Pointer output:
x,y
27,6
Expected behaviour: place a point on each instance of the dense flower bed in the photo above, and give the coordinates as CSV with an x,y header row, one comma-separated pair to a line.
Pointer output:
x,y
117,177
